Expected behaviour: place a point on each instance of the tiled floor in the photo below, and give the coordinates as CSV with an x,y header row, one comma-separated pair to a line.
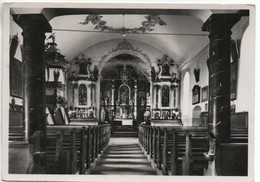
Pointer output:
x,y
123,157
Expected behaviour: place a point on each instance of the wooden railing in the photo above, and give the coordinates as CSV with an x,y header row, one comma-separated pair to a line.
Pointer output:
x,y
73,149
175,150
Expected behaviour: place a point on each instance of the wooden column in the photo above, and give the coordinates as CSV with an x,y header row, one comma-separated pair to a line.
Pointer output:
x,y
154,96
113,95
135,101
219,28
91,94
34,28
159,96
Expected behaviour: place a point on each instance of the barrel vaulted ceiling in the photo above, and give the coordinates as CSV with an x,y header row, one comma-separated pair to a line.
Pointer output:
x,y
179,36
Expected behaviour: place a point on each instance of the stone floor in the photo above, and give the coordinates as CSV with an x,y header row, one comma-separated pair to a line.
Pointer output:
x,y
123,157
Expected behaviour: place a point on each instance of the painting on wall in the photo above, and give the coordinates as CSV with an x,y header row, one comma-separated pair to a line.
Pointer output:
x,y
16,78
165,96
196,94
204,94
83,95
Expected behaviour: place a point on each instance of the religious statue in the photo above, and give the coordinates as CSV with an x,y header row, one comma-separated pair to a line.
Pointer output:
x,y
95,73
148,99
153,74
147,115
142,101
106,100
176,114
102,112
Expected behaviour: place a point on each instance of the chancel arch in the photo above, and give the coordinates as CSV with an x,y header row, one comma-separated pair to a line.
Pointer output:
x,y
127,47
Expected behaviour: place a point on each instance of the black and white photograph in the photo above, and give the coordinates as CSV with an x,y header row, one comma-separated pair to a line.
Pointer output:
x,y
123,92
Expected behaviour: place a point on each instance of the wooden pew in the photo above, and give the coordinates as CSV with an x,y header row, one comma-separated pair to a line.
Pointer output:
x,y
68,147
175,150
236,147
74,146
16,133
183,149
61,150
16,126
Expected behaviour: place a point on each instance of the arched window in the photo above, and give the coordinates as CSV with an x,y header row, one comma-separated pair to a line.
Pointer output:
x,y
165,96
83,94
186,93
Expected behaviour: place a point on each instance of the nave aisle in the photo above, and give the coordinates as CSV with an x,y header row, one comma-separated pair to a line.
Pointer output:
x,y
123,157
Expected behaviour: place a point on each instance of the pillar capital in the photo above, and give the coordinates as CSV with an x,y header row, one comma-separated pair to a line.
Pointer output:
x,y
220,23
33,22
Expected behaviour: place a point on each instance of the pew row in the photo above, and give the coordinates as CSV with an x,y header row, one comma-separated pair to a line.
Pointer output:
x,y
175,150
74,149
185,150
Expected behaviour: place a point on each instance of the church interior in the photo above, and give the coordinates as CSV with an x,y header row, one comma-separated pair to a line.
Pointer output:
x,y
166,91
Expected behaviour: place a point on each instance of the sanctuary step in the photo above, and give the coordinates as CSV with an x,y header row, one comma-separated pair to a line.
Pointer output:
x,y
123,157
124,131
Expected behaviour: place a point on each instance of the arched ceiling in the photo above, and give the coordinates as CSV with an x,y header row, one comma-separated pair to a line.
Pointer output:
x,y
179,38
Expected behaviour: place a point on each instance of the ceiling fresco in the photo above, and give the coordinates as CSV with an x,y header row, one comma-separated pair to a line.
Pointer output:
x,y
146,26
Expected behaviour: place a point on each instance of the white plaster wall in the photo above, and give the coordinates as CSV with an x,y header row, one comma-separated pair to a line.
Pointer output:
x,y
246,75
246,70
16,30
199,61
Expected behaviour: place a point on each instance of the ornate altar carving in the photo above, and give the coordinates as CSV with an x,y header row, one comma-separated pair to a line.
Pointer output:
x,y
84,65
124,104
165,64
164,88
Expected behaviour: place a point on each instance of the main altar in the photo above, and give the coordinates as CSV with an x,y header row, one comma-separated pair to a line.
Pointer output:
x,y
123,95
